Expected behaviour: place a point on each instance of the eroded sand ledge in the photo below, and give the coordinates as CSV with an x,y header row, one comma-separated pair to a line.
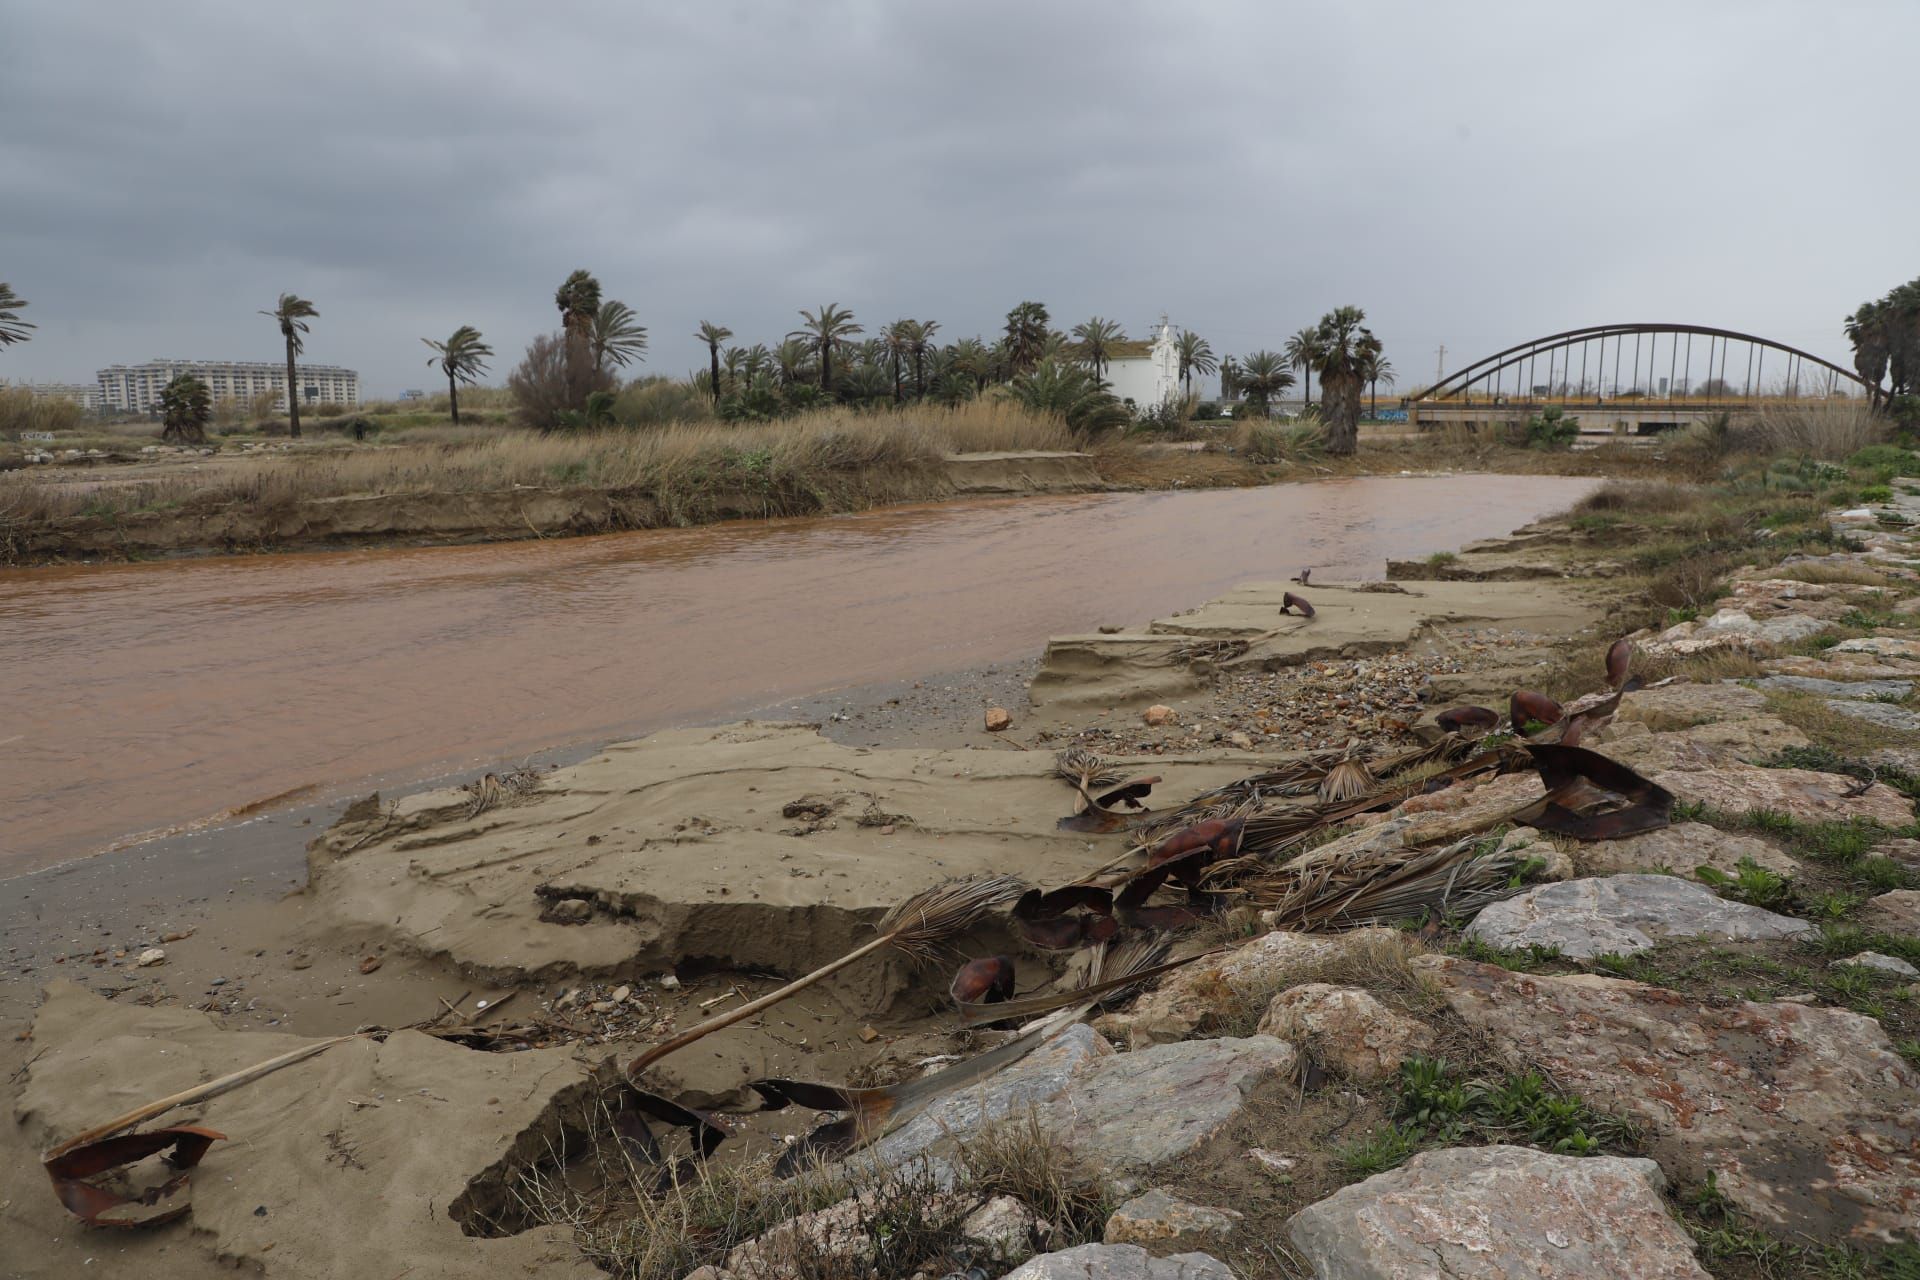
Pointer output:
x,y
1173,657
761,846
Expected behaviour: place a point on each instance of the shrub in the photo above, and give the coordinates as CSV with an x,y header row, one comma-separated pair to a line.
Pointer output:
x,y
1551,428
1074,394
1267,441
1163,419
1207,411
1877,493
553,382
654,402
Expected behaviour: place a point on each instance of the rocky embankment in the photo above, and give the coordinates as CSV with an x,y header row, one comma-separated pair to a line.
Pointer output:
x,y
1660,1048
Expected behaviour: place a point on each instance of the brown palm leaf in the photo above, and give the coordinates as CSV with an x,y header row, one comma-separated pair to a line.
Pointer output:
x,y
917,926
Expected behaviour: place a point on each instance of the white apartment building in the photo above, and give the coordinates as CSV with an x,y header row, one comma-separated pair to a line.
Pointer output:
x,y
135,388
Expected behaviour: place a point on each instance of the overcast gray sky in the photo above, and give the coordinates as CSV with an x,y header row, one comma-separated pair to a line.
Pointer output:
x,y
1473,174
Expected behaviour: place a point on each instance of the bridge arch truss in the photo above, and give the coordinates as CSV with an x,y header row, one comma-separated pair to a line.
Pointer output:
x,y
1694,364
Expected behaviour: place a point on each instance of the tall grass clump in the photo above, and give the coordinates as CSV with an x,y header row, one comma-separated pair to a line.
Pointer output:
x,y
828,460
22,410
1825,429
1270,441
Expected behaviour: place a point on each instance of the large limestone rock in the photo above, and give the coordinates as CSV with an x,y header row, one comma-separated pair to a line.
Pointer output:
x,y
336,1166
1805,1114
1132,1111
1733,629
1161,1222
1621,915
1498,1213
1897,911
1116,1110
1798,793
1845,666
1025,1086
1863,689
1747,740
1119,1262
1681,849
1883,714
1880,647
1681,706
1346,1030
1199,996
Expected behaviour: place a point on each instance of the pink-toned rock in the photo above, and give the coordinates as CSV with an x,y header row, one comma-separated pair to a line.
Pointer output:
x,y
1498,1213
1346,1030
998,719
1160,714
1896,912
1200,996
1804,1115
1798,793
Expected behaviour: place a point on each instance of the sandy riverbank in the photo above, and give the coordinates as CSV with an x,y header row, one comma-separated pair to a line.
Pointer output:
x,y
709,857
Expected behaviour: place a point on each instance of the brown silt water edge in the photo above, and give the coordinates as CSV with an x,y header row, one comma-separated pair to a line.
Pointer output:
x,y
147,697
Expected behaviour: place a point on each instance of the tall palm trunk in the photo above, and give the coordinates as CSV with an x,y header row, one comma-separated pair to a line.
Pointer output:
x,y
713,354
826,366
1340,397
1306,387
293,394
920,374
1373,398
896,375
453,398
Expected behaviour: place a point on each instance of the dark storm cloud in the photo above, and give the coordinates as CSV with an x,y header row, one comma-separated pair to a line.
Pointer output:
x,y
1472,175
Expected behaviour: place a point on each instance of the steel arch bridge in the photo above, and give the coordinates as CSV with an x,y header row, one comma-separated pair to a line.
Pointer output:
x,y
1635,378
1652,361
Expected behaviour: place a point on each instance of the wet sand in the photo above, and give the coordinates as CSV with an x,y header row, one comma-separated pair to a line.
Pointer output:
x,y
157,696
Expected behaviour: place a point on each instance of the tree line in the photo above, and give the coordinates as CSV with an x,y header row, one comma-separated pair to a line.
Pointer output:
x,y
1886,348
568,378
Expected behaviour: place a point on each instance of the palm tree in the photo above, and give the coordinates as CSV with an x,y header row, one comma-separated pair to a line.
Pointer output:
x,y
293,312
463,358
969,358
1229,378
616,335
754,363
1195,357
713,335
186,404
1053,386
734,366
578,299
1263,375
826,328
923,331
1342,346
790,358
1300,352
1026,334
1376,369
1097,338
898,339
12,328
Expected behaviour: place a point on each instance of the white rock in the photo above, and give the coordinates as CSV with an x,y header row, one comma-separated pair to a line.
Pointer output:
x,y
1874,960
151,956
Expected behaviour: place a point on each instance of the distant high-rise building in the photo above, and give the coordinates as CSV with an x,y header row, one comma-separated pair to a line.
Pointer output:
x,y
135,388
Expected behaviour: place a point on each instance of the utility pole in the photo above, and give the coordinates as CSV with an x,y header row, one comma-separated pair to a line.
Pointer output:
x,y
1440,364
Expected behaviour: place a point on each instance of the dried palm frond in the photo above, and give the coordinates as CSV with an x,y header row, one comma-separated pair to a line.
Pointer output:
x,y
1118,968
1350,888
1348,780
917,926
1083,769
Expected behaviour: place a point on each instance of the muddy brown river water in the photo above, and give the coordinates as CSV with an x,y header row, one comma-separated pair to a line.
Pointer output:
x,y
138,698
